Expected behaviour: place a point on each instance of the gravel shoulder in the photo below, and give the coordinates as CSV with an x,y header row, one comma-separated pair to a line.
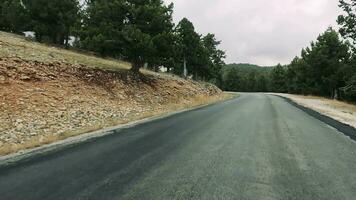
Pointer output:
x,y
338,110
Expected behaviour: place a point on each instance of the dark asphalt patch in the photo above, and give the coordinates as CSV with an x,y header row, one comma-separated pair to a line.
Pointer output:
x,y
342,127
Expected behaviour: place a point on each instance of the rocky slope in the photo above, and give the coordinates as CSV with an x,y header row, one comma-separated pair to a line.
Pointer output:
x,y
41,102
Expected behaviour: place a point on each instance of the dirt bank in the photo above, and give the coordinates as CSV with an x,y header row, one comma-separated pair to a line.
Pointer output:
x,y
41,102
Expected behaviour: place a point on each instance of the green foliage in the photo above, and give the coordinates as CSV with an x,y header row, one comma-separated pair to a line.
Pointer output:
x,y
203,57
102,26
13,16
231,80
246,78
297,77
137,31
321,68
215,58
348,20
324,69
278,79
189,46
347,71
53,20
149,24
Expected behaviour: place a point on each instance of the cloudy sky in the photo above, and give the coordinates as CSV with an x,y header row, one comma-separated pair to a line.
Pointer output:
x,y
264,32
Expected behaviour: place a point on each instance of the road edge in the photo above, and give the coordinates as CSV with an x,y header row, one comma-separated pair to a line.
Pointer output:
x,y
61,144
340,126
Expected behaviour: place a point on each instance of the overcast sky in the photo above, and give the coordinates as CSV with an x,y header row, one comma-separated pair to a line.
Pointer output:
x,y
264,32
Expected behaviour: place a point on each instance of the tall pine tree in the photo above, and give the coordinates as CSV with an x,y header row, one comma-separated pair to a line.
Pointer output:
x,y
53,20
13,16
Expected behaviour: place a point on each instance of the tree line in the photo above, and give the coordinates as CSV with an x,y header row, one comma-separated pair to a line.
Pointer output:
x,y
245,77
327,67
139,31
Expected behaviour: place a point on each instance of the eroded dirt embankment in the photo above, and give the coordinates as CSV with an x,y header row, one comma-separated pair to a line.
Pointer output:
x,y
44,102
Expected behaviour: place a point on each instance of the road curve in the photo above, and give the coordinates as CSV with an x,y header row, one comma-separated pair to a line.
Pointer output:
x,y
254,147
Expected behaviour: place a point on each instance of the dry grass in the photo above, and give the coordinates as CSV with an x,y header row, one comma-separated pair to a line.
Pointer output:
x,y
175,106
330,102
34,142
18,46
12,45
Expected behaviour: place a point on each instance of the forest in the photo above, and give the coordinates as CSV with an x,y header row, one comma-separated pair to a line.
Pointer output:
x,y
327,67
141,32
144,34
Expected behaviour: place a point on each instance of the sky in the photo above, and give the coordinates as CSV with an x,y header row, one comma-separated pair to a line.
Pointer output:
x,y
263,32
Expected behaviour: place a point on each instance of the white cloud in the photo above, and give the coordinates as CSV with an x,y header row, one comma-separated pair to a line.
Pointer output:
x,y
264,32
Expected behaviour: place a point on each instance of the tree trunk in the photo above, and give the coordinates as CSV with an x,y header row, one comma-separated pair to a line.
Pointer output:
x,y
54,38
336,94
61,39
136,65
156,69
38,37
185,70
67,40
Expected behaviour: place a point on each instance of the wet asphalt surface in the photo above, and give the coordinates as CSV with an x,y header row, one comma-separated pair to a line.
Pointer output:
x,y
254,147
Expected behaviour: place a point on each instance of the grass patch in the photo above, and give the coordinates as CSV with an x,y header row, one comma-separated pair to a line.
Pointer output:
x,y
18,46
12,45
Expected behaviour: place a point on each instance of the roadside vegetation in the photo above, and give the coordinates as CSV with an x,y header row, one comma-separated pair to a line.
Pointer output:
x,y
141,33
246,78
325,68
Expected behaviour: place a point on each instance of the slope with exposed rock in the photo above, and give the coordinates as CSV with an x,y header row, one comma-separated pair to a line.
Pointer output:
x,y
43,101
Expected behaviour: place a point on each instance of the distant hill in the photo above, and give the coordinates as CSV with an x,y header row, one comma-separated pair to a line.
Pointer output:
x,y
245,77
249,67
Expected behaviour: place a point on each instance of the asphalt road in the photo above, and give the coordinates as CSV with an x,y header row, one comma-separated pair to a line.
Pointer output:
x,y
254,147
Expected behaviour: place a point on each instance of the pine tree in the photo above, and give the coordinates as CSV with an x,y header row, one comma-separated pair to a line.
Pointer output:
x,y
13,16
149,25
278,82
139,31
348,20
102,27
53,20
325,60
189,46
216,58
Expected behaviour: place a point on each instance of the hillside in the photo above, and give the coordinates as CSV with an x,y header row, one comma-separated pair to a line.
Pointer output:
x,y
246,77
250,67
48,93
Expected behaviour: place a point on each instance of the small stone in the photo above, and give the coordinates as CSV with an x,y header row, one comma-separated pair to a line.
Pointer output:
x,y
25,78
62,108
33,134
